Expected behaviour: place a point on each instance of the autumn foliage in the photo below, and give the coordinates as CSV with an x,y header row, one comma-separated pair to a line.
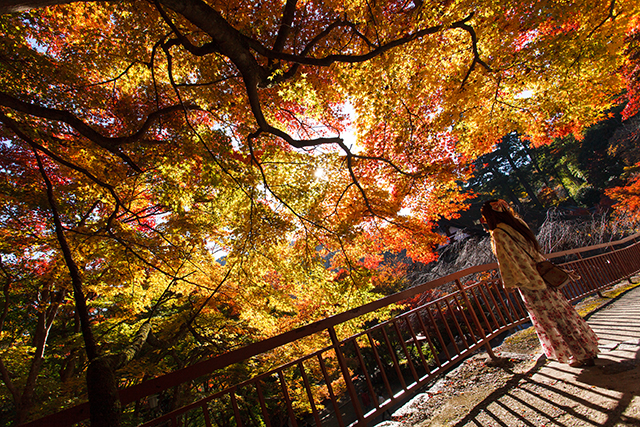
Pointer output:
x,y
628,196
206,174
631,70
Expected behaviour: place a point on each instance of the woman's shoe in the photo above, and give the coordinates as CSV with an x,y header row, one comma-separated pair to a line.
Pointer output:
x,y
583,363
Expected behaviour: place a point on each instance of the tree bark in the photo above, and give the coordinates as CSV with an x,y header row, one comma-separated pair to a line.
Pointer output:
x,y
104,403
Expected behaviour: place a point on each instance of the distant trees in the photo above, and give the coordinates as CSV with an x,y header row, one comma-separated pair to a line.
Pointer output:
x,y
506,171
567,171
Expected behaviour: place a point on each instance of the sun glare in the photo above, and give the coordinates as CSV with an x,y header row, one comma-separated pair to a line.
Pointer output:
x,y
525,94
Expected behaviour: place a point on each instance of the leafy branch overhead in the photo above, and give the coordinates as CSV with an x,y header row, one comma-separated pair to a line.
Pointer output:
x,y
219,171
289,70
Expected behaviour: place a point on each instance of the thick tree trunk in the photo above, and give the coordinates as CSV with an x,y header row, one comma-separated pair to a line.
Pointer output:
x,y
104,402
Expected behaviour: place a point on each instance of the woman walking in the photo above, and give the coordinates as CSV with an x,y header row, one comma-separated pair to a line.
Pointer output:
x,y
563,334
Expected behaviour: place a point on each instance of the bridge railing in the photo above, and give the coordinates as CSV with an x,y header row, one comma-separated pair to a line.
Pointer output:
x,y
353,378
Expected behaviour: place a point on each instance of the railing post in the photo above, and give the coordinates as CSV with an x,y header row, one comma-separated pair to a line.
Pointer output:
x,y
619,265
347,377
592,277
487,345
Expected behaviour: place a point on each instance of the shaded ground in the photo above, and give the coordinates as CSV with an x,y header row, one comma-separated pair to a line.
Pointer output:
x,y
528,390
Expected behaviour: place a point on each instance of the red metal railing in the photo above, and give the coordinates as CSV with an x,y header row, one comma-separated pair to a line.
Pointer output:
x,y
353,378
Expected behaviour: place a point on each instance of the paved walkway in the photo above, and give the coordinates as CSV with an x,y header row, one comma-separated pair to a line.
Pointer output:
x,y
558,395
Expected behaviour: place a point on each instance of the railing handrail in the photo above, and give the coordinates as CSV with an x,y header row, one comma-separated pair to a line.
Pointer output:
x,y
196,370
593,247
192,372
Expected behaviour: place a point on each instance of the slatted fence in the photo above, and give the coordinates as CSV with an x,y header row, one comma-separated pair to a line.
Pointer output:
x,y
352,378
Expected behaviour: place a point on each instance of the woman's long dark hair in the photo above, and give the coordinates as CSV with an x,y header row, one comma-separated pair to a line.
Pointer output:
x,y
507,216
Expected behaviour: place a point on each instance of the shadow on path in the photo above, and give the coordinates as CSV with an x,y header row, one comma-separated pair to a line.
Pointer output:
x,y
554,394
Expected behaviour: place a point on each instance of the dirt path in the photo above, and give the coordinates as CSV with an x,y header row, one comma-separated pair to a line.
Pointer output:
x,y
528,390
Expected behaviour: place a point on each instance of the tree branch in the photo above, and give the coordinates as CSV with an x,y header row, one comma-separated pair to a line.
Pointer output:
x,y
43,327
285,25
312,43
35,146
111,144
229,41
303,219
203,50
119,360
351,59
15,6
474,45
76,281
11,124
610,15
114,79
236,47
6,378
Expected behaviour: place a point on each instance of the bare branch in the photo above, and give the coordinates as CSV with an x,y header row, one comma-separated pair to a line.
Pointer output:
x,y
351,59
285,25
203,50
229,41
312,43
474,45
256,108
610,15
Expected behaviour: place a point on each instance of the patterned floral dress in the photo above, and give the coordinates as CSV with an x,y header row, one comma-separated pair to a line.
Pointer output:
x,y
563,334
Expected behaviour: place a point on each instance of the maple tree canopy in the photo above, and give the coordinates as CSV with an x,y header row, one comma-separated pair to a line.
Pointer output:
x,y
163,152
224,123
262,94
